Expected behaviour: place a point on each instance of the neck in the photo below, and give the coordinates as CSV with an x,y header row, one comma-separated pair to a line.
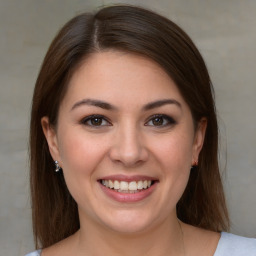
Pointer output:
x,y
164,239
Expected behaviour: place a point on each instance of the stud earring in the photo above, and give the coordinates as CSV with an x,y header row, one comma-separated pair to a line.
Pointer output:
x,y
194,165
57,167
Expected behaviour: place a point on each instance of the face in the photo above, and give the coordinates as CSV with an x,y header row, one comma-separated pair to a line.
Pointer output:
x,y
125,140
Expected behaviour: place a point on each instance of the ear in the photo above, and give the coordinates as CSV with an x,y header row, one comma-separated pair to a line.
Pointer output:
x,y
199,139
51,137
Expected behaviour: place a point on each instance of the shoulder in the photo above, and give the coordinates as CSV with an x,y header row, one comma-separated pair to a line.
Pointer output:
x,y
35,253
234,245
65,247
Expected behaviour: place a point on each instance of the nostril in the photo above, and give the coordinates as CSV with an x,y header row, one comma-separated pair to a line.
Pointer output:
x,y
128,149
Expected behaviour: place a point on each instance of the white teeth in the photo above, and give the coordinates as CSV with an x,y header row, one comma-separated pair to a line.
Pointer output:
x,y
110,184
127,187
124,185
133,185
116,184
140,184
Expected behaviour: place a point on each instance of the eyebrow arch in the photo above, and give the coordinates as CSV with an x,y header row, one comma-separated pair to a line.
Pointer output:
x,y
160,103
96,103
107,106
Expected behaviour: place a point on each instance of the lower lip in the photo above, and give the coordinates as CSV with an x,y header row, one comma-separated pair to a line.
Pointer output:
x,y
128,197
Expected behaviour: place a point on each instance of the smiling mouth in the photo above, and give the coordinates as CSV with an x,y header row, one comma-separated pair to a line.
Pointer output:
x,y
128,187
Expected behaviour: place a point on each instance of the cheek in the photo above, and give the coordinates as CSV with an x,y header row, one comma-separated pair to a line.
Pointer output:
x,y
174,156
175,152
80,154
80,157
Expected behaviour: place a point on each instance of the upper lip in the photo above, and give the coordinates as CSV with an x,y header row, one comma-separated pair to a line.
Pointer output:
x,y
121,177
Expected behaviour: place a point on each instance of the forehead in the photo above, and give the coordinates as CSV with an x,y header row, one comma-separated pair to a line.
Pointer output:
x,y
118,76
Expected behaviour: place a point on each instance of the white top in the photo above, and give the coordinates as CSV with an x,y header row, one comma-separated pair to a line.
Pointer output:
x,y
35,253
229,245
233,245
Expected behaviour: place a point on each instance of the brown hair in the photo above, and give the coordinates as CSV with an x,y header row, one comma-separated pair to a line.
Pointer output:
x,y
135,30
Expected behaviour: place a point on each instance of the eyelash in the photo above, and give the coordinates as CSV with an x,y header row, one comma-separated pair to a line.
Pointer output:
x,y
90,118
167,120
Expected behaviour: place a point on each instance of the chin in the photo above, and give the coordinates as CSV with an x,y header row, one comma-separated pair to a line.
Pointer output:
x,y
128,223
128,228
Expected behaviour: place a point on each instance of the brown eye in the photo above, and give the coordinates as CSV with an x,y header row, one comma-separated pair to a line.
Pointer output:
x,y
157,121
95,121
160,120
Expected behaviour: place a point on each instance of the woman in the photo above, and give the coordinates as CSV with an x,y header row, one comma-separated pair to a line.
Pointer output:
x,y
123,112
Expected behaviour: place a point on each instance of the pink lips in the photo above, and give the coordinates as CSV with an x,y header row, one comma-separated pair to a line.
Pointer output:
x,y
128,197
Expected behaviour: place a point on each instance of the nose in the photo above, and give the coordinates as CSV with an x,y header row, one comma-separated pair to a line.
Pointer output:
x,y
128,147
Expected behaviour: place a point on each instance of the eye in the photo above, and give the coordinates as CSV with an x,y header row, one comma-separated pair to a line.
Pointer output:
x,y
95,121
160,120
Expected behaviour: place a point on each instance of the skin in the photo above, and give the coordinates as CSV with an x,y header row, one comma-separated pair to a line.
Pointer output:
x,y
127,140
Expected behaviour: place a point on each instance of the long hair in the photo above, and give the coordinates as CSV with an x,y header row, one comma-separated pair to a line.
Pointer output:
x,y
134,30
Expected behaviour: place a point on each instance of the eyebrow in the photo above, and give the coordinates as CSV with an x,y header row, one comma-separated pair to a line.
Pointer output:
x,y
96,103
107,106
160,103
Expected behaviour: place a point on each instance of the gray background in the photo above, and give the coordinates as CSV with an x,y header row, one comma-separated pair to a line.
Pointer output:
x,y
225,33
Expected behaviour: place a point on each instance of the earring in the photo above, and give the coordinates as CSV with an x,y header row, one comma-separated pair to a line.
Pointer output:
x,y
194,165
57,167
